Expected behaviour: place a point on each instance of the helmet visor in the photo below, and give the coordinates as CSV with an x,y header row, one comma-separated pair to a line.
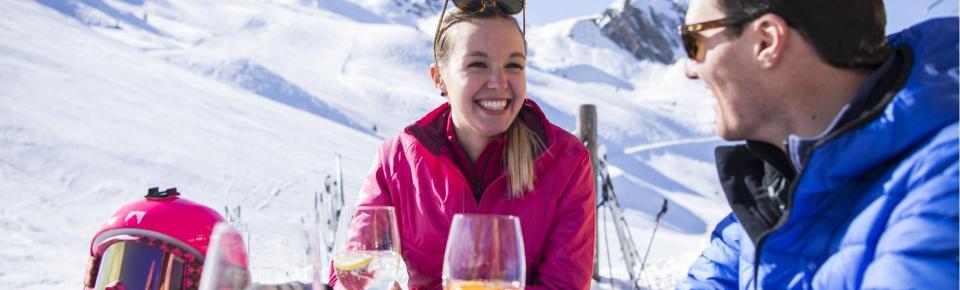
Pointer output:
x,y
134,265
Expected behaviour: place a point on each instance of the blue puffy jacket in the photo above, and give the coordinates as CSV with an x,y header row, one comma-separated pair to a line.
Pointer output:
x,y
875,205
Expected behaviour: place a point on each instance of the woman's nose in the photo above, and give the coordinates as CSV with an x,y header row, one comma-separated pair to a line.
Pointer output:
x,y
498,80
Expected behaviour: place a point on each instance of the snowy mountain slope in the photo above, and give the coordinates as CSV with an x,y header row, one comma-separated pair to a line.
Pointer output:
x,y
244,103
88,124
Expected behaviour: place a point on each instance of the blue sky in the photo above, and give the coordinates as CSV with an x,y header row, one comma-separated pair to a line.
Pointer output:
x,y
900,13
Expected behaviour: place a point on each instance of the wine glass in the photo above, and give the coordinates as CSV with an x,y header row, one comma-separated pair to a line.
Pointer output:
x,y
484,252
367,254
225,266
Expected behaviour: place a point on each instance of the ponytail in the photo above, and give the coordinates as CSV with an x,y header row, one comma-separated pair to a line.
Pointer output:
x,y
519,157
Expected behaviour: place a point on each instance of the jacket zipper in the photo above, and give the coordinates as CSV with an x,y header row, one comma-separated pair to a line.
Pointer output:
x,y
465,180
478,182
787,202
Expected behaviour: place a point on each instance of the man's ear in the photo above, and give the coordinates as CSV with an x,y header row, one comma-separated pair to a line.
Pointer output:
x,y
771,34
438,79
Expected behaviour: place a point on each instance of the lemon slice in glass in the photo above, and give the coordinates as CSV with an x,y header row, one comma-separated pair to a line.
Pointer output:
x,y
471,285
349,261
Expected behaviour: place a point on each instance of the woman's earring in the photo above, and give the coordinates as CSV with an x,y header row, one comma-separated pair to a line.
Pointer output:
x,y
443,94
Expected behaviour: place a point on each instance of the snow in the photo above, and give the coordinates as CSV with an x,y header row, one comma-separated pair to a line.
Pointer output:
x,y
245,104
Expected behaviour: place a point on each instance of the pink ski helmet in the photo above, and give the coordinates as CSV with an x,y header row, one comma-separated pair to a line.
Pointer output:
x,y
156,243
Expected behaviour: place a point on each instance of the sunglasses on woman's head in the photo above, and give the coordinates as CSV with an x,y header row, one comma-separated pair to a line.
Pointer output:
x,y
693,42
506,7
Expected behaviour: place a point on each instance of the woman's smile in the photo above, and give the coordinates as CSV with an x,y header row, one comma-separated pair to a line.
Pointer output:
x,y
493,106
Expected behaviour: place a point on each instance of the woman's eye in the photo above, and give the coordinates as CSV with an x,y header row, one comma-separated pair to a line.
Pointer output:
x,y
514,65
477,65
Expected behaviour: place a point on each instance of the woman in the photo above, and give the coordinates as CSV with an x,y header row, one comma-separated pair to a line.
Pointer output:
x,y
487,150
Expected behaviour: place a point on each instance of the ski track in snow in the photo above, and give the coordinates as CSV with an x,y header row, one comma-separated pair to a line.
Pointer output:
x,y
663,144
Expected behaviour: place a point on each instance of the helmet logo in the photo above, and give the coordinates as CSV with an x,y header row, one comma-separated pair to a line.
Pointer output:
x,y
137,214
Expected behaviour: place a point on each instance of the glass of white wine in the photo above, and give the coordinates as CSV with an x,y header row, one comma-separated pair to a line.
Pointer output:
x,y
367,249
484,252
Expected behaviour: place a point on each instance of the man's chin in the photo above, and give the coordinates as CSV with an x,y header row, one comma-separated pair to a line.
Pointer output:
x,y
727,134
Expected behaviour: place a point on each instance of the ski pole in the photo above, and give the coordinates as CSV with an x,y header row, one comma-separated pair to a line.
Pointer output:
x,y
663,210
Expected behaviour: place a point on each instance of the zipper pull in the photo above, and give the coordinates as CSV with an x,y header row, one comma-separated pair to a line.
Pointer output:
x,y
773,191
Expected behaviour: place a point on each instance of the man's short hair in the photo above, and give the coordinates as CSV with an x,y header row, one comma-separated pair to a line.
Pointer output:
x,y
845,33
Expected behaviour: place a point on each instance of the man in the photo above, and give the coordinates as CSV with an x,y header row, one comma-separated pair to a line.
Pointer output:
x,y
849,175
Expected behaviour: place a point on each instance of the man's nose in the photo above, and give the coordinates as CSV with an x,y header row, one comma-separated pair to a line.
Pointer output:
x,y
690,70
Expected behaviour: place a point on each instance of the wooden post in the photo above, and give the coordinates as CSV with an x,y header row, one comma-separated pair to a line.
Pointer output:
x,y
587,132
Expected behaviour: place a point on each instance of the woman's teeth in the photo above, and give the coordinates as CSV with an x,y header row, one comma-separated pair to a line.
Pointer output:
x,y
495,105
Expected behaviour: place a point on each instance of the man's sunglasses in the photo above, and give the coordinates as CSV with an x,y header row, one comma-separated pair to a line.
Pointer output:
x,y
506,7
693,42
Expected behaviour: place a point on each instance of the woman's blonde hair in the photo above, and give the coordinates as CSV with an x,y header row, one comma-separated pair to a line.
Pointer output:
x,y
522,143
519,157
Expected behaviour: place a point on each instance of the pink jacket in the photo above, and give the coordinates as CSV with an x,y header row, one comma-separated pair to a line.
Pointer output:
x,y
417,175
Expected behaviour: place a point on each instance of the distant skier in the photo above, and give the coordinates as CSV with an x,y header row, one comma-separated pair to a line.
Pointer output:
x,y
849,176
487,150
157,243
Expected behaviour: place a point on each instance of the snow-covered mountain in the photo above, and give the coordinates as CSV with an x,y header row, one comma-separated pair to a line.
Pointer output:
x,y
245,103
648,28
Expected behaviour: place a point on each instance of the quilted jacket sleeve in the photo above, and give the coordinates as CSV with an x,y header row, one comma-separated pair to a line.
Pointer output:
x,y
717,267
